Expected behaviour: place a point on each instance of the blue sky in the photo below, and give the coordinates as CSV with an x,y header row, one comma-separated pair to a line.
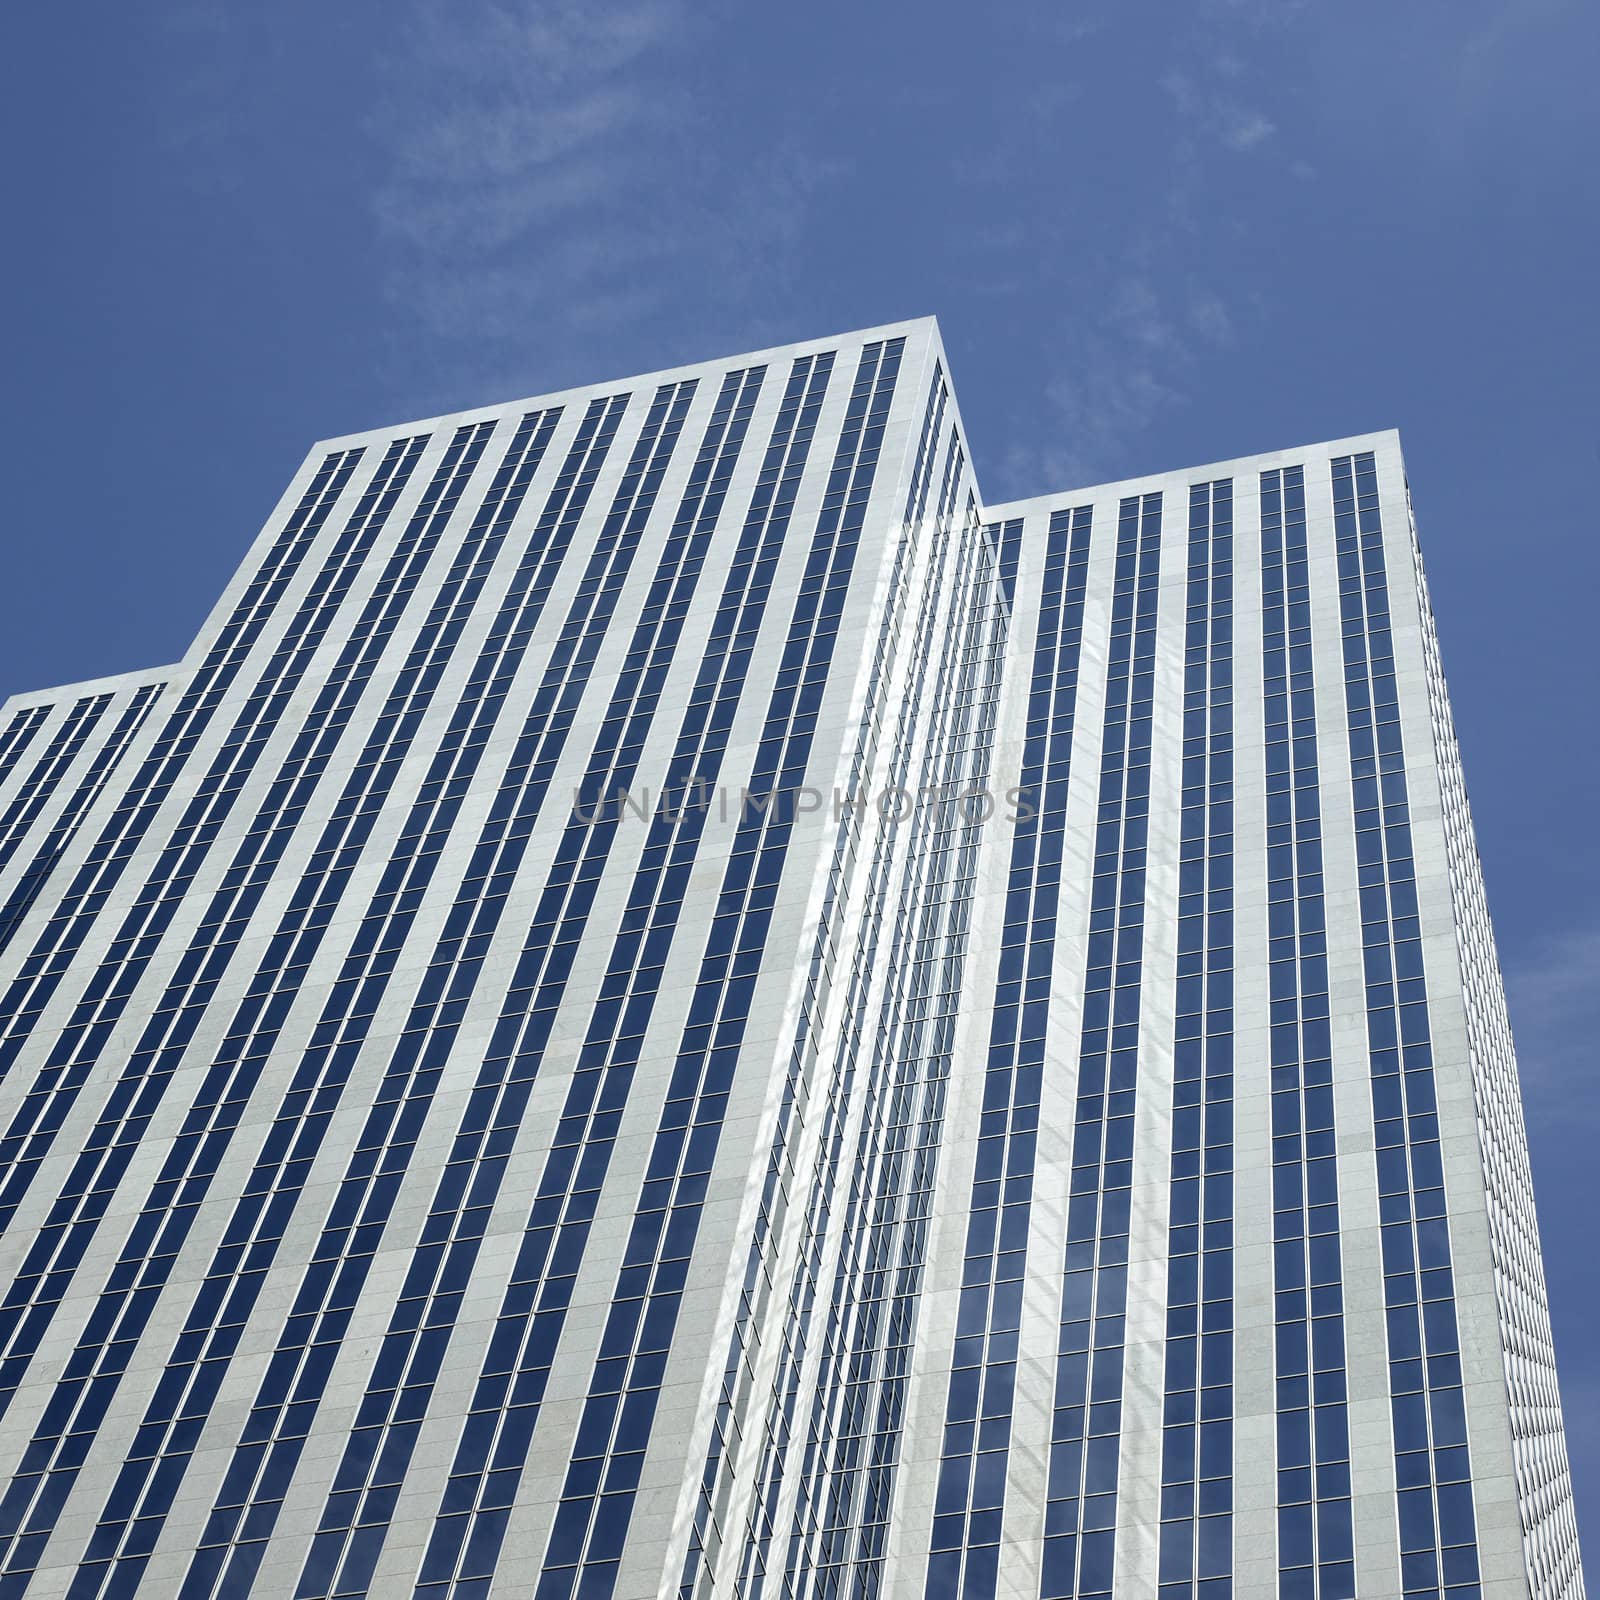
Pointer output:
x,y
1154,235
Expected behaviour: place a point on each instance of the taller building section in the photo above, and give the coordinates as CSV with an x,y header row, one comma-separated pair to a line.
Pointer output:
x,y
429,958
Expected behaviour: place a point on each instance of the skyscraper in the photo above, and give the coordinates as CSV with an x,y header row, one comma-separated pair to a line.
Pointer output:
x,y
664,1003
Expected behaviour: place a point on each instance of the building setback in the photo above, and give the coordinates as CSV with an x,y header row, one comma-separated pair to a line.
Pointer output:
x,y
666,1003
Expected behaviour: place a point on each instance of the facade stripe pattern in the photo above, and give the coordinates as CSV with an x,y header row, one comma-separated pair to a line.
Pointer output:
x,y
218,1316
75,913
846,1496
857,1322
738,1372
614,1427
136,1509
778,1430
356,1516
34,794
246,1507
56,1250
48,1269
1081,1495
470,1527
169,1211
102,763
970,1501
941,612
148,1258
1315,1529
1196,1555
79,1400
18,735
103,1002
1438,1532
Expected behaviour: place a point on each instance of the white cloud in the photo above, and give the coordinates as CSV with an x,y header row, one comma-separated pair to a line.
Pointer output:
x,y
1246,129
1210,319
1214,114
1134,334
550,188
1098,406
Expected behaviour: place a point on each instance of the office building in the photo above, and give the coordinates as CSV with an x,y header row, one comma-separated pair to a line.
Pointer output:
x,y
667,1003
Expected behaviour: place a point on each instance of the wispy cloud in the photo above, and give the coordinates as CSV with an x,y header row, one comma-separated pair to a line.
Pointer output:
x,y
551,188
1126,367
1143,314
1487,52
1212,110
1246,129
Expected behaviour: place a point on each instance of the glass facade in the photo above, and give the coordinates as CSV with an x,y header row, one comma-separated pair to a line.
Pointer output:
x,y
1315,1527
666,1002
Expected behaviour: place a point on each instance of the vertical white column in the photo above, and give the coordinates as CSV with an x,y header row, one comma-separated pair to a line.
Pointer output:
x,y
1144,1356
1028,1468
1255,1490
